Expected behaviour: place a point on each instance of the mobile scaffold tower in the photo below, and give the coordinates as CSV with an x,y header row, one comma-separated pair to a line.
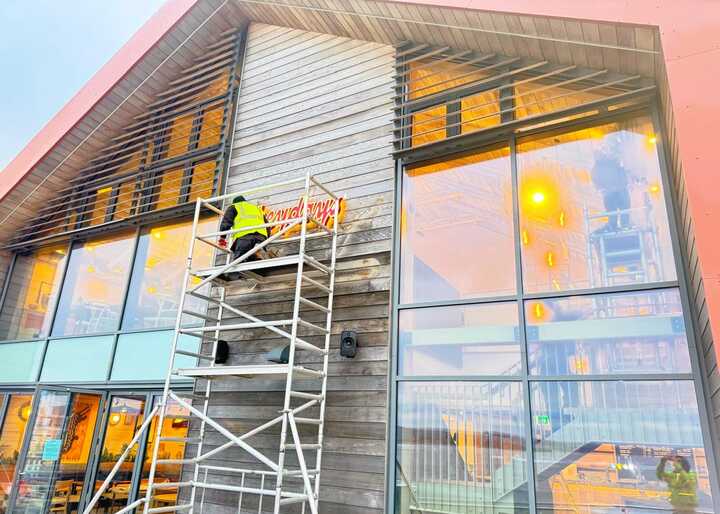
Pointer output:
x,y
296,482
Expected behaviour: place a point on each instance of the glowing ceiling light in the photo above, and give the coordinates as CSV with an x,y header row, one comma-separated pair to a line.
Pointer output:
x,y
538,197
652,139
538,310
550,259
525,237
561,219
654,188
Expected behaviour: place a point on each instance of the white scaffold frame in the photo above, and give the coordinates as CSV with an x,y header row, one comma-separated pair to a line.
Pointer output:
x,y
290,415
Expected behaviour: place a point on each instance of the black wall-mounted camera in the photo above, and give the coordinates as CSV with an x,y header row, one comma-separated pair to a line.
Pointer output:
x,y
348,343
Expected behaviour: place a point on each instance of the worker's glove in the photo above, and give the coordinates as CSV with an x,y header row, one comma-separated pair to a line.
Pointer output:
x,y
222,242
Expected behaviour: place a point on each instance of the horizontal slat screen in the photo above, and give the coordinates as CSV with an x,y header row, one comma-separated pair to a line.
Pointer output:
x,y
444,93
171,154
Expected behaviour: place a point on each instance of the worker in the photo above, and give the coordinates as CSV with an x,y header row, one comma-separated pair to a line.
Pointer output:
x,y
681,482
238,215
612,179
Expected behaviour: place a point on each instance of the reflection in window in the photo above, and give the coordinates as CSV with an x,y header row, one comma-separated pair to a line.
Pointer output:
x,y
462,340
592,209
155,349
11,438
80,359
175,424
156,282
31,294
429,125
605,334
619,447
428,77
461,448
92,293
123,422
456,229
20,362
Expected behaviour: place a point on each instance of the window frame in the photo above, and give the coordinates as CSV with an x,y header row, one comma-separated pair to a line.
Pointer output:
x,y
115,334
697,374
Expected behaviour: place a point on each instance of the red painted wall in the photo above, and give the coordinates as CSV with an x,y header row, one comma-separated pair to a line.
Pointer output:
x,y
690,36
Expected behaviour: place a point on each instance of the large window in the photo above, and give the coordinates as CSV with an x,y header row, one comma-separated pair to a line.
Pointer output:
x,y
119,298
592,210
451,211
541,341
92,294
156,283
27,310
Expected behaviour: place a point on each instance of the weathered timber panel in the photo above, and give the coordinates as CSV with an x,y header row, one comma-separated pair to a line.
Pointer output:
x,y
319,103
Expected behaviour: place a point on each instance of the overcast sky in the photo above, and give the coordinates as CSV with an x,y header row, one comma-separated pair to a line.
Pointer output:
x,y
48,50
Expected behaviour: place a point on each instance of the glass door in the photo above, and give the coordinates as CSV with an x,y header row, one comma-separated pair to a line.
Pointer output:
x,y
123,418
57,454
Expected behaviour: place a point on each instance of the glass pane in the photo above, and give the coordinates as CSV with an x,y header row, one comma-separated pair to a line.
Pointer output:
x,y
31,294
462,340
428,125
456,229
611,447
592,209
54,469
427,77
461,448
536,98
480,111
20,362
43,453
124,420
607,334
92,294
175,424
82,359
11,438
155,349
156,282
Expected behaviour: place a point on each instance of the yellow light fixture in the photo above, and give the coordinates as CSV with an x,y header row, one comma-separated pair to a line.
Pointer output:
x,y
152,290
157,234
538,310
24,411
561,219
654,188
525,237
104,190
550,259
538,197
91,269
114,418
652,139
60,251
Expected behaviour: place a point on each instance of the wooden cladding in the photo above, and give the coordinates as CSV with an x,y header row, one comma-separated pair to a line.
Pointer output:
x,y
443,94
171,154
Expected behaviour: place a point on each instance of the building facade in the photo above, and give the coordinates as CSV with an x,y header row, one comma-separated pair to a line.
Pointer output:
x,y
517,255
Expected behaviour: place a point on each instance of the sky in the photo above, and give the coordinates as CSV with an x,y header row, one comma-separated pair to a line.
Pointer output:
x,y
48,50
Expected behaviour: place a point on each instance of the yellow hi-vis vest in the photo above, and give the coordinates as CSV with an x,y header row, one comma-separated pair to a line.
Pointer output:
x,y
248,215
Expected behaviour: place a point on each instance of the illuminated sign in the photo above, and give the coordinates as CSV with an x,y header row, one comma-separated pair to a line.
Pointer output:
x,y
321,210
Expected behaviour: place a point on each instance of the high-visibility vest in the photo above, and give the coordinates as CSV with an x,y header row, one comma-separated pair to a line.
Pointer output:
x,y
248,215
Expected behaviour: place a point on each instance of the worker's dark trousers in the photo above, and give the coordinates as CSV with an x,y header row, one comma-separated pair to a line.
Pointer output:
x,y
245,243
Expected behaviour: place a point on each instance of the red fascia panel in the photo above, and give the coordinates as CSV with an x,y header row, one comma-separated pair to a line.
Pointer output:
x,y
95,90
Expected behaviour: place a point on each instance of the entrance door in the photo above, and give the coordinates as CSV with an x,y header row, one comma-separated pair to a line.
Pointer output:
x,y
58,446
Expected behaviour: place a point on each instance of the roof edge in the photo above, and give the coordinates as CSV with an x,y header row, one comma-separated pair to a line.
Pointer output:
x,y
92,92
